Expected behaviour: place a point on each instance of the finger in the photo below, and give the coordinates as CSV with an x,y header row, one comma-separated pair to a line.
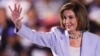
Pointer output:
x,y
20,10
12,19
15,7
18,7
18,20
21,18
10,8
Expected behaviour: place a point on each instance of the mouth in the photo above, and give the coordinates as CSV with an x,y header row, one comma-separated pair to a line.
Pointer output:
x,y
68,26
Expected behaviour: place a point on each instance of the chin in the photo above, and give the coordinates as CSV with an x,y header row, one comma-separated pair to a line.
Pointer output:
x,y
69,29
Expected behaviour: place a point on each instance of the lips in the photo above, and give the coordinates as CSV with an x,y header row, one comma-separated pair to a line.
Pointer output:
x,y
68,25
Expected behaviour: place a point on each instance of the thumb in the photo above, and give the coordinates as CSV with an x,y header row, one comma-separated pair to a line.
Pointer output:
x,y
18,20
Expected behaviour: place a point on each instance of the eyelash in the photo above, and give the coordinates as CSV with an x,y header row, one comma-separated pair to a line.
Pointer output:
x,y
64,17
69,17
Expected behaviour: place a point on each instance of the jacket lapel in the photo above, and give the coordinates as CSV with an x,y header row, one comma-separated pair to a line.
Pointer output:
x,y
64,43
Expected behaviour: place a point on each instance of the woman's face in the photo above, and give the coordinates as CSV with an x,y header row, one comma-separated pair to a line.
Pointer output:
x,y
69,20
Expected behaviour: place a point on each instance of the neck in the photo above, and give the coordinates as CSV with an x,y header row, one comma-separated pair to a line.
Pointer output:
x,y
74,32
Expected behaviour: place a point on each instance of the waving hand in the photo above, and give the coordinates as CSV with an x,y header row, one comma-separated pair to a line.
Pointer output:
x,y
15,14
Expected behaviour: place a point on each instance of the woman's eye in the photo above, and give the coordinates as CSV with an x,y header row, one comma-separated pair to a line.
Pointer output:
x,y
71,17
64,17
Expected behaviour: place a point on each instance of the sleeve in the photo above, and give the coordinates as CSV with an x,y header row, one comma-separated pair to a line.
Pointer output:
x,y
98,48
43,39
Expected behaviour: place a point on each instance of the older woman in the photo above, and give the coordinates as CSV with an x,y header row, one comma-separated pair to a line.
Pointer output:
x,y
71,39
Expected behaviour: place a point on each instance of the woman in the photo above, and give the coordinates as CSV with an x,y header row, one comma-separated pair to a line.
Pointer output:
x,y
71,39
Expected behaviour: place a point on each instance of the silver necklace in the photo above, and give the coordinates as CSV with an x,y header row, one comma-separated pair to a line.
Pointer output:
x,y
74,36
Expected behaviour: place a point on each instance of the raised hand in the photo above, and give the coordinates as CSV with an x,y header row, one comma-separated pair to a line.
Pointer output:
x,y
15,15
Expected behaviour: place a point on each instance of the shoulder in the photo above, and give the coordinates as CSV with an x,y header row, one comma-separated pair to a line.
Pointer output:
x,y
92,34
57,29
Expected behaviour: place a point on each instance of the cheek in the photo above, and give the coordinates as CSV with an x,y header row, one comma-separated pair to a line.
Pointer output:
x,y
64,21
75,24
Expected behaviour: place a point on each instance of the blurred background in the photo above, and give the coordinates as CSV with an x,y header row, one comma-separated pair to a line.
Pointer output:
x,y
40,15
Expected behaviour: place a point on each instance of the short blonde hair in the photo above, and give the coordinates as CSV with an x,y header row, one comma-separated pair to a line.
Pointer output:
x,y
80,12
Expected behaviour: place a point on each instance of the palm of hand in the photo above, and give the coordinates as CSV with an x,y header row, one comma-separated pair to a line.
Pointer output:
x,y
16,15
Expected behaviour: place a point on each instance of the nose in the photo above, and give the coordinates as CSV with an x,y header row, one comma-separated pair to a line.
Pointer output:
x,y
67,20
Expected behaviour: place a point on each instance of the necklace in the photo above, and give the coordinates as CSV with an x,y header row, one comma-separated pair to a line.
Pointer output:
x,y
75,36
